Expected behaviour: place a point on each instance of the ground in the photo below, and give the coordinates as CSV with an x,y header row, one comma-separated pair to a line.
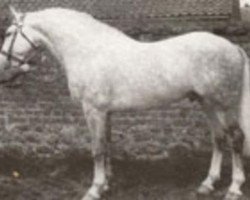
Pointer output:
x,y
154,158
64,179
133,180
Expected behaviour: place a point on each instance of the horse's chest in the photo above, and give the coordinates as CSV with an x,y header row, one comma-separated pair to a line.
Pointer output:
x,y
75,92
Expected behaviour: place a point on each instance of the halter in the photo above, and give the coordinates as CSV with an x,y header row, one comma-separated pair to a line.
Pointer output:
x,y
8,54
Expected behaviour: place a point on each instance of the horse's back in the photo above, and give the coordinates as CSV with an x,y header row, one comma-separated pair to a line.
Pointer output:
x,y
170,69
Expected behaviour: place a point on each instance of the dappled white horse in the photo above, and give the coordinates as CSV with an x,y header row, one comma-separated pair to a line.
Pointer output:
x,y
108,71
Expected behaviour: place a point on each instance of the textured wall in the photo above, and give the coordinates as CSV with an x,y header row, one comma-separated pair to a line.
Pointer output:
x,y
143,16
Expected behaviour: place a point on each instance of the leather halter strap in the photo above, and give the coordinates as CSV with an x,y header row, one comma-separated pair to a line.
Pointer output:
x,y
9,53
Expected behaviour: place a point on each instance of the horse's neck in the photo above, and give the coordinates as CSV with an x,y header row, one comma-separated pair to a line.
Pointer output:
x,y
78,39
76,46
63,43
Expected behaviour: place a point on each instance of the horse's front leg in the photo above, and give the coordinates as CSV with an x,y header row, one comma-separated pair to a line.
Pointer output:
x,y
97,124
218,136
109,150
207,185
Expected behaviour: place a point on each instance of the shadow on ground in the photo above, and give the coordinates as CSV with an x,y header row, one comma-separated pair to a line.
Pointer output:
x,y
69,179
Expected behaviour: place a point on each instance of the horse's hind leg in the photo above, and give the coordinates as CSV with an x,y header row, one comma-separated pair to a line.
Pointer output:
x,y
215,119
238,176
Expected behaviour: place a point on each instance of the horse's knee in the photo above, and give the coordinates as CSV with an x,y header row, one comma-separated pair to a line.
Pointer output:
x,y
99,148
237,138
98,155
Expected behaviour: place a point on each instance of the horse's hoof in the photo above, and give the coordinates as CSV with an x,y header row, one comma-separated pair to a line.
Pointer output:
x,y
90,197
204,190
233,196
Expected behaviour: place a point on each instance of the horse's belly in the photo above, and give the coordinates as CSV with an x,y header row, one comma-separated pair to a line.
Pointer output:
x,y
149,88
148,98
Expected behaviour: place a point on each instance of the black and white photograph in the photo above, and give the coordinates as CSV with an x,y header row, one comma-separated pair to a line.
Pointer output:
x,y
124,99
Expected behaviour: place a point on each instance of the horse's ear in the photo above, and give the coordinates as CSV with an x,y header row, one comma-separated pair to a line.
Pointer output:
x,y
15,14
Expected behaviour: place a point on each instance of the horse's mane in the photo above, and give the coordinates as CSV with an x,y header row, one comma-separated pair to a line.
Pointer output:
x,y
63,13
73,19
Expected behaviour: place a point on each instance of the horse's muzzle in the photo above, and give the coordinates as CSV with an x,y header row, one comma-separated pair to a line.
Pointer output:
x,y
9,73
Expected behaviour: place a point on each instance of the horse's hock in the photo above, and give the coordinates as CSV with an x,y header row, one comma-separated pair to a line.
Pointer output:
x,y
38,115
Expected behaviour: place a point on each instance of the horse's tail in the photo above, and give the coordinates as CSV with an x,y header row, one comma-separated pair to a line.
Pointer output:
x,y
245,103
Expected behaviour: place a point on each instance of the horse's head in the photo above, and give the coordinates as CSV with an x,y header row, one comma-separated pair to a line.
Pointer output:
x,y
18,47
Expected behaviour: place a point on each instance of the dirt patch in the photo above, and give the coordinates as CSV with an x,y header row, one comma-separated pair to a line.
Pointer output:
x,y
172,179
